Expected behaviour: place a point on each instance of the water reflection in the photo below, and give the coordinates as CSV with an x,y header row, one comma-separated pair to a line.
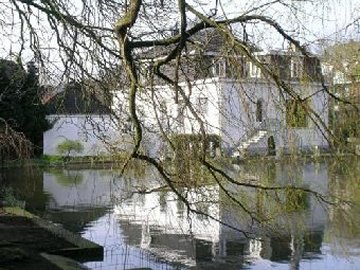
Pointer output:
x,y
74,189
156,231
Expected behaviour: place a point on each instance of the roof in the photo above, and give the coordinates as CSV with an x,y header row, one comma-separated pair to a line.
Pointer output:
x,y
206,41
74,99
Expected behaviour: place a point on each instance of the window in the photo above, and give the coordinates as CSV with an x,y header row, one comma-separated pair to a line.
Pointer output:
x,y
255,71
126,125
243,68
296,114
180,118
218,68
296,68
163,115
146,70
203,105
259,110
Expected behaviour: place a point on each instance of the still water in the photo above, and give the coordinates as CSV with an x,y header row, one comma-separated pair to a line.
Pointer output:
x,y
156,231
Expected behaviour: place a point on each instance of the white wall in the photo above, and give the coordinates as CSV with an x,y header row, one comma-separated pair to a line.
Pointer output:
x,y
231,112
238,114
238,109
149,104
172,218
97,133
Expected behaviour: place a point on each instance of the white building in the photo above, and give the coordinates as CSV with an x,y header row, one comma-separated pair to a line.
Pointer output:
x,y
221,93
235,100
81,117
163,212
97,134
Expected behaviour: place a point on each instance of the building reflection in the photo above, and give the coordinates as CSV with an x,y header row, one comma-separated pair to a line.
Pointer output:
x,y
90,201
167,231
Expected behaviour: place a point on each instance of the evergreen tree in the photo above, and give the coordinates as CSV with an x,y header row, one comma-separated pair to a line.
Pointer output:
x,y
20,101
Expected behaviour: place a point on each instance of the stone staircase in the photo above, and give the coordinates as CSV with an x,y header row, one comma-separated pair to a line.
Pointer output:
x,y
255,134
244,145
252,140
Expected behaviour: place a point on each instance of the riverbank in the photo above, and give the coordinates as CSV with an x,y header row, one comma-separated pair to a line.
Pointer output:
x,y
94,162
113,162
28,242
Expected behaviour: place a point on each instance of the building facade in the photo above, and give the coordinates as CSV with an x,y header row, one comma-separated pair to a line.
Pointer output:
x,y
271,104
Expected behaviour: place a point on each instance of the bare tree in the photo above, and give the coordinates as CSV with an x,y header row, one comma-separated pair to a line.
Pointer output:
x,y
13,144
159,46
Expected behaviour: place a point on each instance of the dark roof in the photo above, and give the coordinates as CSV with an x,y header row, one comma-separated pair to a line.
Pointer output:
x,y
209,53
208,40
74,99
205,41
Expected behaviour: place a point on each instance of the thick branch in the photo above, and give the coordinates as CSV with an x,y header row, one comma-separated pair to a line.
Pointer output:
x,y
121,30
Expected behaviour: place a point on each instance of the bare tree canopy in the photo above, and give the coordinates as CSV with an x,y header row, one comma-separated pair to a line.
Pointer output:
x,y
155,54
74,36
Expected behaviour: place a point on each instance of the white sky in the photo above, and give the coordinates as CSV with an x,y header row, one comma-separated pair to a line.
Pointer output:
x,y
308,21
314,19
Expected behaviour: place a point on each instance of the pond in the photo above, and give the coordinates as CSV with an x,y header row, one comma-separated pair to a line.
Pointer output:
x,y
155,230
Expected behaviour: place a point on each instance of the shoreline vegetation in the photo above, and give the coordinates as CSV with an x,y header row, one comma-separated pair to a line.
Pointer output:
x,y
117,161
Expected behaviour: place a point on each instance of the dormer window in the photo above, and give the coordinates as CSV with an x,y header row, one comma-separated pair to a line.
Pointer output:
x,y
219,68
180,117
255,71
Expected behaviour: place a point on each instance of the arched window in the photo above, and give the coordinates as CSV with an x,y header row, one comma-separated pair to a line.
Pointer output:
x,y
271,146
259,110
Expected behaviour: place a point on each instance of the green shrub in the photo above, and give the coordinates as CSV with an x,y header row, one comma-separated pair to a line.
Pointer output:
x,y
67,147
7,197
190,145
51,158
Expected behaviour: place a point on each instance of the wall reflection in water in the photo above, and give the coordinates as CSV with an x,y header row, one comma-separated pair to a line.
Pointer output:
x,y
156,231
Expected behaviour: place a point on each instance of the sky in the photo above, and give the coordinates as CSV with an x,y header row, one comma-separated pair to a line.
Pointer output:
x,y
310,21
313,22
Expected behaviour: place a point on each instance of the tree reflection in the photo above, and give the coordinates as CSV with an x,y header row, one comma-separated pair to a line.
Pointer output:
x,y
67,177
345,185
